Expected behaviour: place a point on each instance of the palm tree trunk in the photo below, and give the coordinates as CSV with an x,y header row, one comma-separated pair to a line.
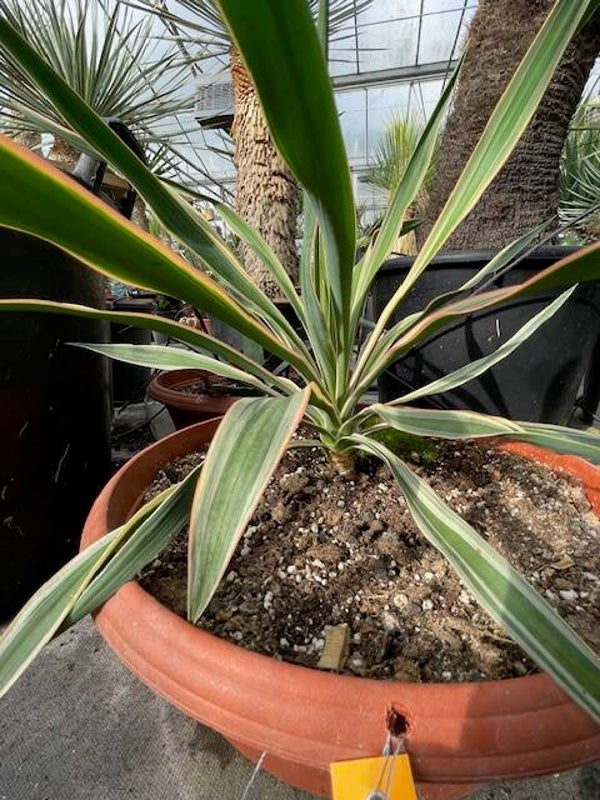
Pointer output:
x,y
526,191
267,196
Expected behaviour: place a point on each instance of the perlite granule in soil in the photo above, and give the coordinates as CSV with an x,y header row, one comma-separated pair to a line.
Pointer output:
x,y
324,550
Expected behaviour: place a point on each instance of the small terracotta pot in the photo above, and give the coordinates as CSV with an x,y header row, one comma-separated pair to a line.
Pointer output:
x,y
459,735
186,408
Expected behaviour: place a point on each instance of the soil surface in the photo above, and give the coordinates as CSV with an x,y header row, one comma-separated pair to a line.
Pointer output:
x,y
217,388
323,551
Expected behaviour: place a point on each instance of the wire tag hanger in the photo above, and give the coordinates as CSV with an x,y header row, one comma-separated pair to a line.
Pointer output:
x,y
385,777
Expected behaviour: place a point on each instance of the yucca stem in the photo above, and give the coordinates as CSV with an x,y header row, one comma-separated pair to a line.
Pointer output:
x,y
344,461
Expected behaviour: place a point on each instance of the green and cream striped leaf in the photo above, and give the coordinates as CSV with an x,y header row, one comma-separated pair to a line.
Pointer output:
x,y
501,260
195,338
502,592
168,358
42,616
585,444
244,453
507,254
581,266
442,423
39,620
140,549
316,324
505,127
41,123
280,46
35,198
374,352
172,211
480,365
253,239
404,195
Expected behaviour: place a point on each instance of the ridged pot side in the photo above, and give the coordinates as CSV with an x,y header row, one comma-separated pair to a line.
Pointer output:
x,y
459,735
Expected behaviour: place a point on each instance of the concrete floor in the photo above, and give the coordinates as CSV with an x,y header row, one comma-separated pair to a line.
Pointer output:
x,y
79,726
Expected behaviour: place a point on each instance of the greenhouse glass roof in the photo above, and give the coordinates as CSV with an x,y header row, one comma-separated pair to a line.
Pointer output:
x,y
399,35
390,59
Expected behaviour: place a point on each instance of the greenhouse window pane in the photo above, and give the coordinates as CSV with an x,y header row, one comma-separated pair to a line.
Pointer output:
x,y
424,96
342,54
386,10
352,108
213,161
383,106
446,5
388,45
439,37
369,200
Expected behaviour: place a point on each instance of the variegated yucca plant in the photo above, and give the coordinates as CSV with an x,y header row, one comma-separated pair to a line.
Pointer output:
x,y
282,49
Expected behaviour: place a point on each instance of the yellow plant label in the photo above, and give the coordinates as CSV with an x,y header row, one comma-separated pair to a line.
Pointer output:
x,y
380,778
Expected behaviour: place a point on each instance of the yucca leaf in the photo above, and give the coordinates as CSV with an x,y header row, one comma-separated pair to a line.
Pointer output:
x,y
140,549
173,212
43,615
481,365
243,455
316,324
168,358
38,122
112,61
503,593
505,256
39,620
585,444
36,198
280,46
583,265
404,195
374,351
442,423
247,234
196,338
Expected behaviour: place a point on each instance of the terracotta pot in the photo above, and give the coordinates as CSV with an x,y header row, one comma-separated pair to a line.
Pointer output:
x,y
459,735
186,408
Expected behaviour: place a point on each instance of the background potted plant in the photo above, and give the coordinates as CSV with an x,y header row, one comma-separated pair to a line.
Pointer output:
x,y
194,395
296,95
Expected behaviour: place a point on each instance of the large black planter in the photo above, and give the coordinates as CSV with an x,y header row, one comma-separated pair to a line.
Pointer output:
x,y
55,415
540,381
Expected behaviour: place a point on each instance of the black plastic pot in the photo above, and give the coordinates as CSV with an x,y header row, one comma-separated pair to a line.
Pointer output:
x,y
54,425
540,381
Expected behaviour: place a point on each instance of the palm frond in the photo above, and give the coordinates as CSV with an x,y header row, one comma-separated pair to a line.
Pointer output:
x,y
580,173
394,152
104,52
206,26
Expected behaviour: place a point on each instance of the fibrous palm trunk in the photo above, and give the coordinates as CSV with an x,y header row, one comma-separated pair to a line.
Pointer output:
x,y
526,191
267,196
